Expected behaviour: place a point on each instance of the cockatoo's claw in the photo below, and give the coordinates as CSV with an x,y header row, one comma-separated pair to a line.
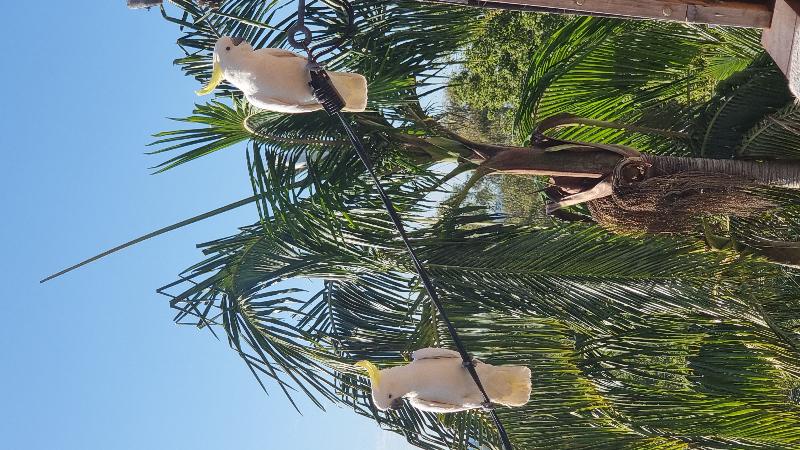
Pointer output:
x,y
313,66
325,92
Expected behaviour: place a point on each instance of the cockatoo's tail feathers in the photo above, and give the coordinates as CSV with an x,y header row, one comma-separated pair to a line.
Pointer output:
x,y
216,78
353,89
373,372
518,380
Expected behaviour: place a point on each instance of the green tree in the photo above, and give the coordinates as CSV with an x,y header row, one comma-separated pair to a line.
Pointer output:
x,y
634,341
496,60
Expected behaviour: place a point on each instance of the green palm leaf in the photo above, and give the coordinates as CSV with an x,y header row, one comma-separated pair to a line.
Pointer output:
x,y
776,136
634,72
610,325
739,103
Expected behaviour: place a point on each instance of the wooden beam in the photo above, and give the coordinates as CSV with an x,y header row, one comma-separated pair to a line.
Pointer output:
x,y
139,4
782,41
719,12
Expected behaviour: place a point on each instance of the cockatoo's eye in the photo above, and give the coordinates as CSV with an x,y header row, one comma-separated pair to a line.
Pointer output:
x,y
227,49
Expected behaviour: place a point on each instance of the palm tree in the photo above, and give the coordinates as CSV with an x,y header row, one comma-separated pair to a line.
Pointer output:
x,y
634,341
646,76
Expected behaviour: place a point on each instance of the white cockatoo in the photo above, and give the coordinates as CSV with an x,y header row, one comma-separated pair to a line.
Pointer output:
x,y
275,79
437,381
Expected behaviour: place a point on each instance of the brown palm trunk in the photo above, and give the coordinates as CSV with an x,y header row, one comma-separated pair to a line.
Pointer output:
x,y
783,252
767,173
565,163
634,192
586,162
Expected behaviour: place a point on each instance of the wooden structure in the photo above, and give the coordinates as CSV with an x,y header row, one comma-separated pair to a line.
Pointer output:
x,y
138,4
747,13
782,40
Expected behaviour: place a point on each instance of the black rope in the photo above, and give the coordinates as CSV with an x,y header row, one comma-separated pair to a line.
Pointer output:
x,y
325,92
468,362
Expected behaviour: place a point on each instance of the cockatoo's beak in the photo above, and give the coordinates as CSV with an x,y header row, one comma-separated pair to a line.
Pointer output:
x,y
373,372
216,78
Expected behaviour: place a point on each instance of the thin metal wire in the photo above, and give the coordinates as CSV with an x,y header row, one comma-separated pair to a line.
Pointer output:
x,y
317,51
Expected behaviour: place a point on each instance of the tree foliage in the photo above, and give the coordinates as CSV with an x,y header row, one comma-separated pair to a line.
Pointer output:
x,y
496,60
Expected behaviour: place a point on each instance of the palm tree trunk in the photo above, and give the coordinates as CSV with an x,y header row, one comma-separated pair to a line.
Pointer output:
x,y
767,173
783,252
541,161
592,161
597,164
588,161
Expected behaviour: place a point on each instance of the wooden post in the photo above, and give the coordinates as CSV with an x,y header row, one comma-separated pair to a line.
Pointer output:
x,y
782,41
139,4
753,13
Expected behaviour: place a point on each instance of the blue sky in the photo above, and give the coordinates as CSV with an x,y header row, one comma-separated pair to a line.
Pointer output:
x,y
92,360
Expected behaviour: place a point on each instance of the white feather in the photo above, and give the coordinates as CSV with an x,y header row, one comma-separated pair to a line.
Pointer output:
x,y
426,353
276,80
436,381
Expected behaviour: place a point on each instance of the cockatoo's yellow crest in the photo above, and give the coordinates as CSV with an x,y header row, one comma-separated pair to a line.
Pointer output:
x,y
216,78
373,372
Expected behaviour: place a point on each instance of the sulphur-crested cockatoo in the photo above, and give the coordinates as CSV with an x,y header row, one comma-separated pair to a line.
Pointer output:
x,y
277,80
437,381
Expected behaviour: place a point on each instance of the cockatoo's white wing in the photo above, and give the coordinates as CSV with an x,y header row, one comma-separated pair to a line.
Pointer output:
x,y
435,407
276,53
273,104
434,353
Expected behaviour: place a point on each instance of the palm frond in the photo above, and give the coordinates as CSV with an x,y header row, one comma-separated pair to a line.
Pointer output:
x,y
739,103
617,330
628,71
221,127
776,136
